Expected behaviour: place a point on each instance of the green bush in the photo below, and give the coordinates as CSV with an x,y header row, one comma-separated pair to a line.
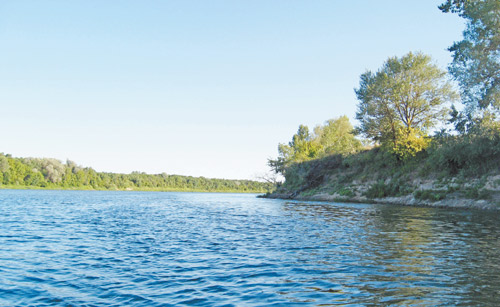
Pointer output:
x,y
468,155
394,188
432,195
477,193
346,192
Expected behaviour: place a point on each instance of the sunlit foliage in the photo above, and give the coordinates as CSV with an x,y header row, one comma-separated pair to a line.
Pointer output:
x,y
334,137
402,101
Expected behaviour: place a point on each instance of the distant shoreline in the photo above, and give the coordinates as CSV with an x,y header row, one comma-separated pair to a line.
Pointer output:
x,y
83,189
52,174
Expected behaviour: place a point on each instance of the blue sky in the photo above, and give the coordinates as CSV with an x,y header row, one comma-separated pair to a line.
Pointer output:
x,y
201,88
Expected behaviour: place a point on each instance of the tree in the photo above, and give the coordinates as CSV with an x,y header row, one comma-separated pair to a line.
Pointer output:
x,y
301,148
273,180
476,58
334,137
303,145
4,163
402,101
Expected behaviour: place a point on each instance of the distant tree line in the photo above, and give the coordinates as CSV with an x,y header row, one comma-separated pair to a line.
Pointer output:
x,y
52,173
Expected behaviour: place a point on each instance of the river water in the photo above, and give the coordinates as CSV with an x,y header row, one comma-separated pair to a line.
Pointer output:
x,y
72,248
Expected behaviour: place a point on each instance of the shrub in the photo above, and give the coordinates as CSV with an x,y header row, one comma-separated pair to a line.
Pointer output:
x,y
393,188
469,155
346,192
477,193
410,142
432,195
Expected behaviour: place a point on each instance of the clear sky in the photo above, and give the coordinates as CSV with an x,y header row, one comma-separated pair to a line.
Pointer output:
x,y
201,88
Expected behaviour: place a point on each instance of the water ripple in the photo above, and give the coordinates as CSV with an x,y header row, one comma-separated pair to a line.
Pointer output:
x,y
168,249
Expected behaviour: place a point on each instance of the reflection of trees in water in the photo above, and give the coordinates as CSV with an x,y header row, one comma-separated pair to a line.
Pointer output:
x,y
403,255
398,250
479,276
326,250
331,224
432,255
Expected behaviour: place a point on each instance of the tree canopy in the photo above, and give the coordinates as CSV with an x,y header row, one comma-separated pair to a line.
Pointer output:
x,y
402,101
476,58
334,137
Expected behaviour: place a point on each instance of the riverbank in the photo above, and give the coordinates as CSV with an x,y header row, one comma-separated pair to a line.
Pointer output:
x,y
440,177
408,200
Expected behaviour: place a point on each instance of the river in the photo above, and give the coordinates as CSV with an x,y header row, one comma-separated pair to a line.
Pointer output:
x,y
94,248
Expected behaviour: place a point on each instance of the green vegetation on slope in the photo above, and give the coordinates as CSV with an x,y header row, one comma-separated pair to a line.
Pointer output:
x,y
463,166
334,137
398,106
52,174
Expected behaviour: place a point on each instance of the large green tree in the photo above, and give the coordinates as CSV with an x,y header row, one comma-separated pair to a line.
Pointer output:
x,y
476,58
402,101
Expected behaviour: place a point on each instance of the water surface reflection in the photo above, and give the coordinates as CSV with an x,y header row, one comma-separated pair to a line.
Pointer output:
x,y
161,249
404,255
